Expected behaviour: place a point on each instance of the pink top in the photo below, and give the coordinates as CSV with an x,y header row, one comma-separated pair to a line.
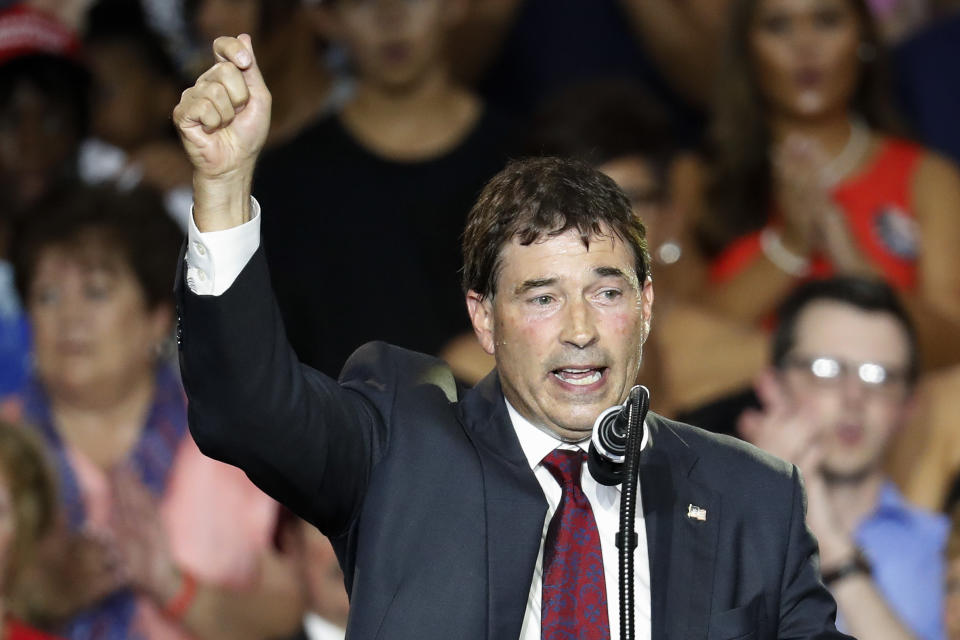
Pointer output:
x,y
217,523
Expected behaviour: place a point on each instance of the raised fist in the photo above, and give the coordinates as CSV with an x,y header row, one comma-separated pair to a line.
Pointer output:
x,y
223,119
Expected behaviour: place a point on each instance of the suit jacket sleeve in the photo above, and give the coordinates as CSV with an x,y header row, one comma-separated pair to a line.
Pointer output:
x,y
807,610
304,439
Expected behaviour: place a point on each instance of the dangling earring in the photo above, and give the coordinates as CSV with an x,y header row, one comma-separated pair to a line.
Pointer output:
x,y
669,252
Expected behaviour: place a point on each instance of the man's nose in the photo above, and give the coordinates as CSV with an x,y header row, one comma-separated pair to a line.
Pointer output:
x,y
853,389
579,326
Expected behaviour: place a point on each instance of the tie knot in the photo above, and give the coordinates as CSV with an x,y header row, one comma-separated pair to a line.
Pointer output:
x,y
565,465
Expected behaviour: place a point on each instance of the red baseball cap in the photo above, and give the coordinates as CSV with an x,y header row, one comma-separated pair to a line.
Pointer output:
x,y
25,31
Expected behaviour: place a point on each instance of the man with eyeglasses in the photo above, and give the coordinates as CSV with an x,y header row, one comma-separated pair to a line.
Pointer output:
x,y
841,384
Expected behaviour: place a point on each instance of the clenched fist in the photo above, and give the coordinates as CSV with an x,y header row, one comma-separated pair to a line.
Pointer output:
x,y
223,121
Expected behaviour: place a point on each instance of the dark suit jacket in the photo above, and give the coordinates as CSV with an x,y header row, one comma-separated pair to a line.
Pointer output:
x,y
435,513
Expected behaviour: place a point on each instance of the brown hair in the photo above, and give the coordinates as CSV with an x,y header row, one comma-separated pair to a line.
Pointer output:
x,y
545,197
130,225
740,191
24,469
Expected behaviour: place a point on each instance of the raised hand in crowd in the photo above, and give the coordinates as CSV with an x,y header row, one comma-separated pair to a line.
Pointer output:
x,y
792,431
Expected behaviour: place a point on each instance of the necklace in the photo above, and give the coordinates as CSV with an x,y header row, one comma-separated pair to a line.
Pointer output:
x,y
858,143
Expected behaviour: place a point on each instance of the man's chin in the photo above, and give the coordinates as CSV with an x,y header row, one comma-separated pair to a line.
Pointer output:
x,y
846,474
573,430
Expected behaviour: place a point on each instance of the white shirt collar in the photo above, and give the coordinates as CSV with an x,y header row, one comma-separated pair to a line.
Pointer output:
x,y
318,628
537,443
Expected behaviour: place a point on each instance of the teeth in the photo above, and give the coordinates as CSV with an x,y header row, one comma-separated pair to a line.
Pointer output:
x,y
584,381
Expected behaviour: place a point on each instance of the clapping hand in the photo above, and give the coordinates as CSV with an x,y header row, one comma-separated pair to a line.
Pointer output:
x,y
141,539
811,219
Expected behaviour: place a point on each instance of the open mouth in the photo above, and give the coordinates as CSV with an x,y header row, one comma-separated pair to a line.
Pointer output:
x,y
580,376
850,434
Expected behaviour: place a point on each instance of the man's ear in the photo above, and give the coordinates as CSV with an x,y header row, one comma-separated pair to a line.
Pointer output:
x,y
480,309
646,306
912,409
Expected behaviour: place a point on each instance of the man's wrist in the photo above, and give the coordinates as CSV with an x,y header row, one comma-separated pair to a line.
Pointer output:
x,y
855,564
222,202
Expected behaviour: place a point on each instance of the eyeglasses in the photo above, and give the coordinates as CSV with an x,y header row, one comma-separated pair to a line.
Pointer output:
x,y
871,375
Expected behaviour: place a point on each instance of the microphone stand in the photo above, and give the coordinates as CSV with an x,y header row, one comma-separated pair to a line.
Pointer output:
x,y
626,540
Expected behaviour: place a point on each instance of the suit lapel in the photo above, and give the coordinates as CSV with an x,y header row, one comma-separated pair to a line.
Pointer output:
x,y
682,523
515,507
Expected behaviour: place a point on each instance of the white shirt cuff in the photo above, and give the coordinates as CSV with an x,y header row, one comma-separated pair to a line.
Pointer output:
x,y
215,258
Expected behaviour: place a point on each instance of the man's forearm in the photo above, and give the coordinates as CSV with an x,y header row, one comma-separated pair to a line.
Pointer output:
x,y
222,202
865,611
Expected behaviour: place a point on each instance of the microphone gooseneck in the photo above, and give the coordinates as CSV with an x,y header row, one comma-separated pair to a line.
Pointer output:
x,y
639,404
614,458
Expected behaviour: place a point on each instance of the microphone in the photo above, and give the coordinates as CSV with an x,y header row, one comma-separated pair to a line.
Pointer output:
x,y
608,445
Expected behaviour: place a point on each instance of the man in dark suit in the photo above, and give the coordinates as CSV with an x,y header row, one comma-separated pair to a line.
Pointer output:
x,y
471,517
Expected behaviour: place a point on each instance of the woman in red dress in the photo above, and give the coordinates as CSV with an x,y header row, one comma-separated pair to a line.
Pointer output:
x,y
809,178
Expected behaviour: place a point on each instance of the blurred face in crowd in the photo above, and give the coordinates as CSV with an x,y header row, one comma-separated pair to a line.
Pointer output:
x,y
804,55
567,325
38,140
638,179
836,346
131,105
94,335
395,43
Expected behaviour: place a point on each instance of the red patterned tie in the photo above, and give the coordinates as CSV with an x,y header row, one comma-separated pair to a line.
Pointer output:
x,y
574,600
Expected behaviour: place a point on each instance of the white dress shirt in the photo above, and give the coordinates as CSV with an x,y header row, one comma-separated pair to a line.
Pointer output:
x,y
215,259
318,628
605,503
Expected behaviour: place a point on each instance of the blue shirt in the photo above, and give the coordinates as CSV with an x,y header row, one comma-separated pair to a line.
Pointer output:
x,y
14,335
905,546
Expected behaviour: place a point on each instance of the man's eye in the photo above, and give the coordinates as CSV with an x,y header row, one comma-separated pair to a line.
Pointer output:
x,y
46,296
542,301
611,294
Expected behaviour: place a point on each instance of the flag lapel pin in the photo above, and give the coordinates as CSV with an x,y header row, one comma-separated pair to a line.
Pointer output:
x,y
696,513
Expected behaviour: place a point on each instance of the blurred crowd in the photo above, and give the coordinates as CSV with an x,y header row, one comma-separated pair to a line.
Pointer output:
x,y
794,162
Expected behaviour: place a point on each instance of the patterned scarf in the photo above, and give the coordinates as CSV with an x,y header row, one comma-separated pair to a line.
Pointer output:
x,y
151,458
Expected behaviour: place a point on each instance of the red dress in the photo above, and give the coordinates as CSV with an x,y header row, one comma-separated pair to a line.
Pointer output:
x,y
876,205
13,630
